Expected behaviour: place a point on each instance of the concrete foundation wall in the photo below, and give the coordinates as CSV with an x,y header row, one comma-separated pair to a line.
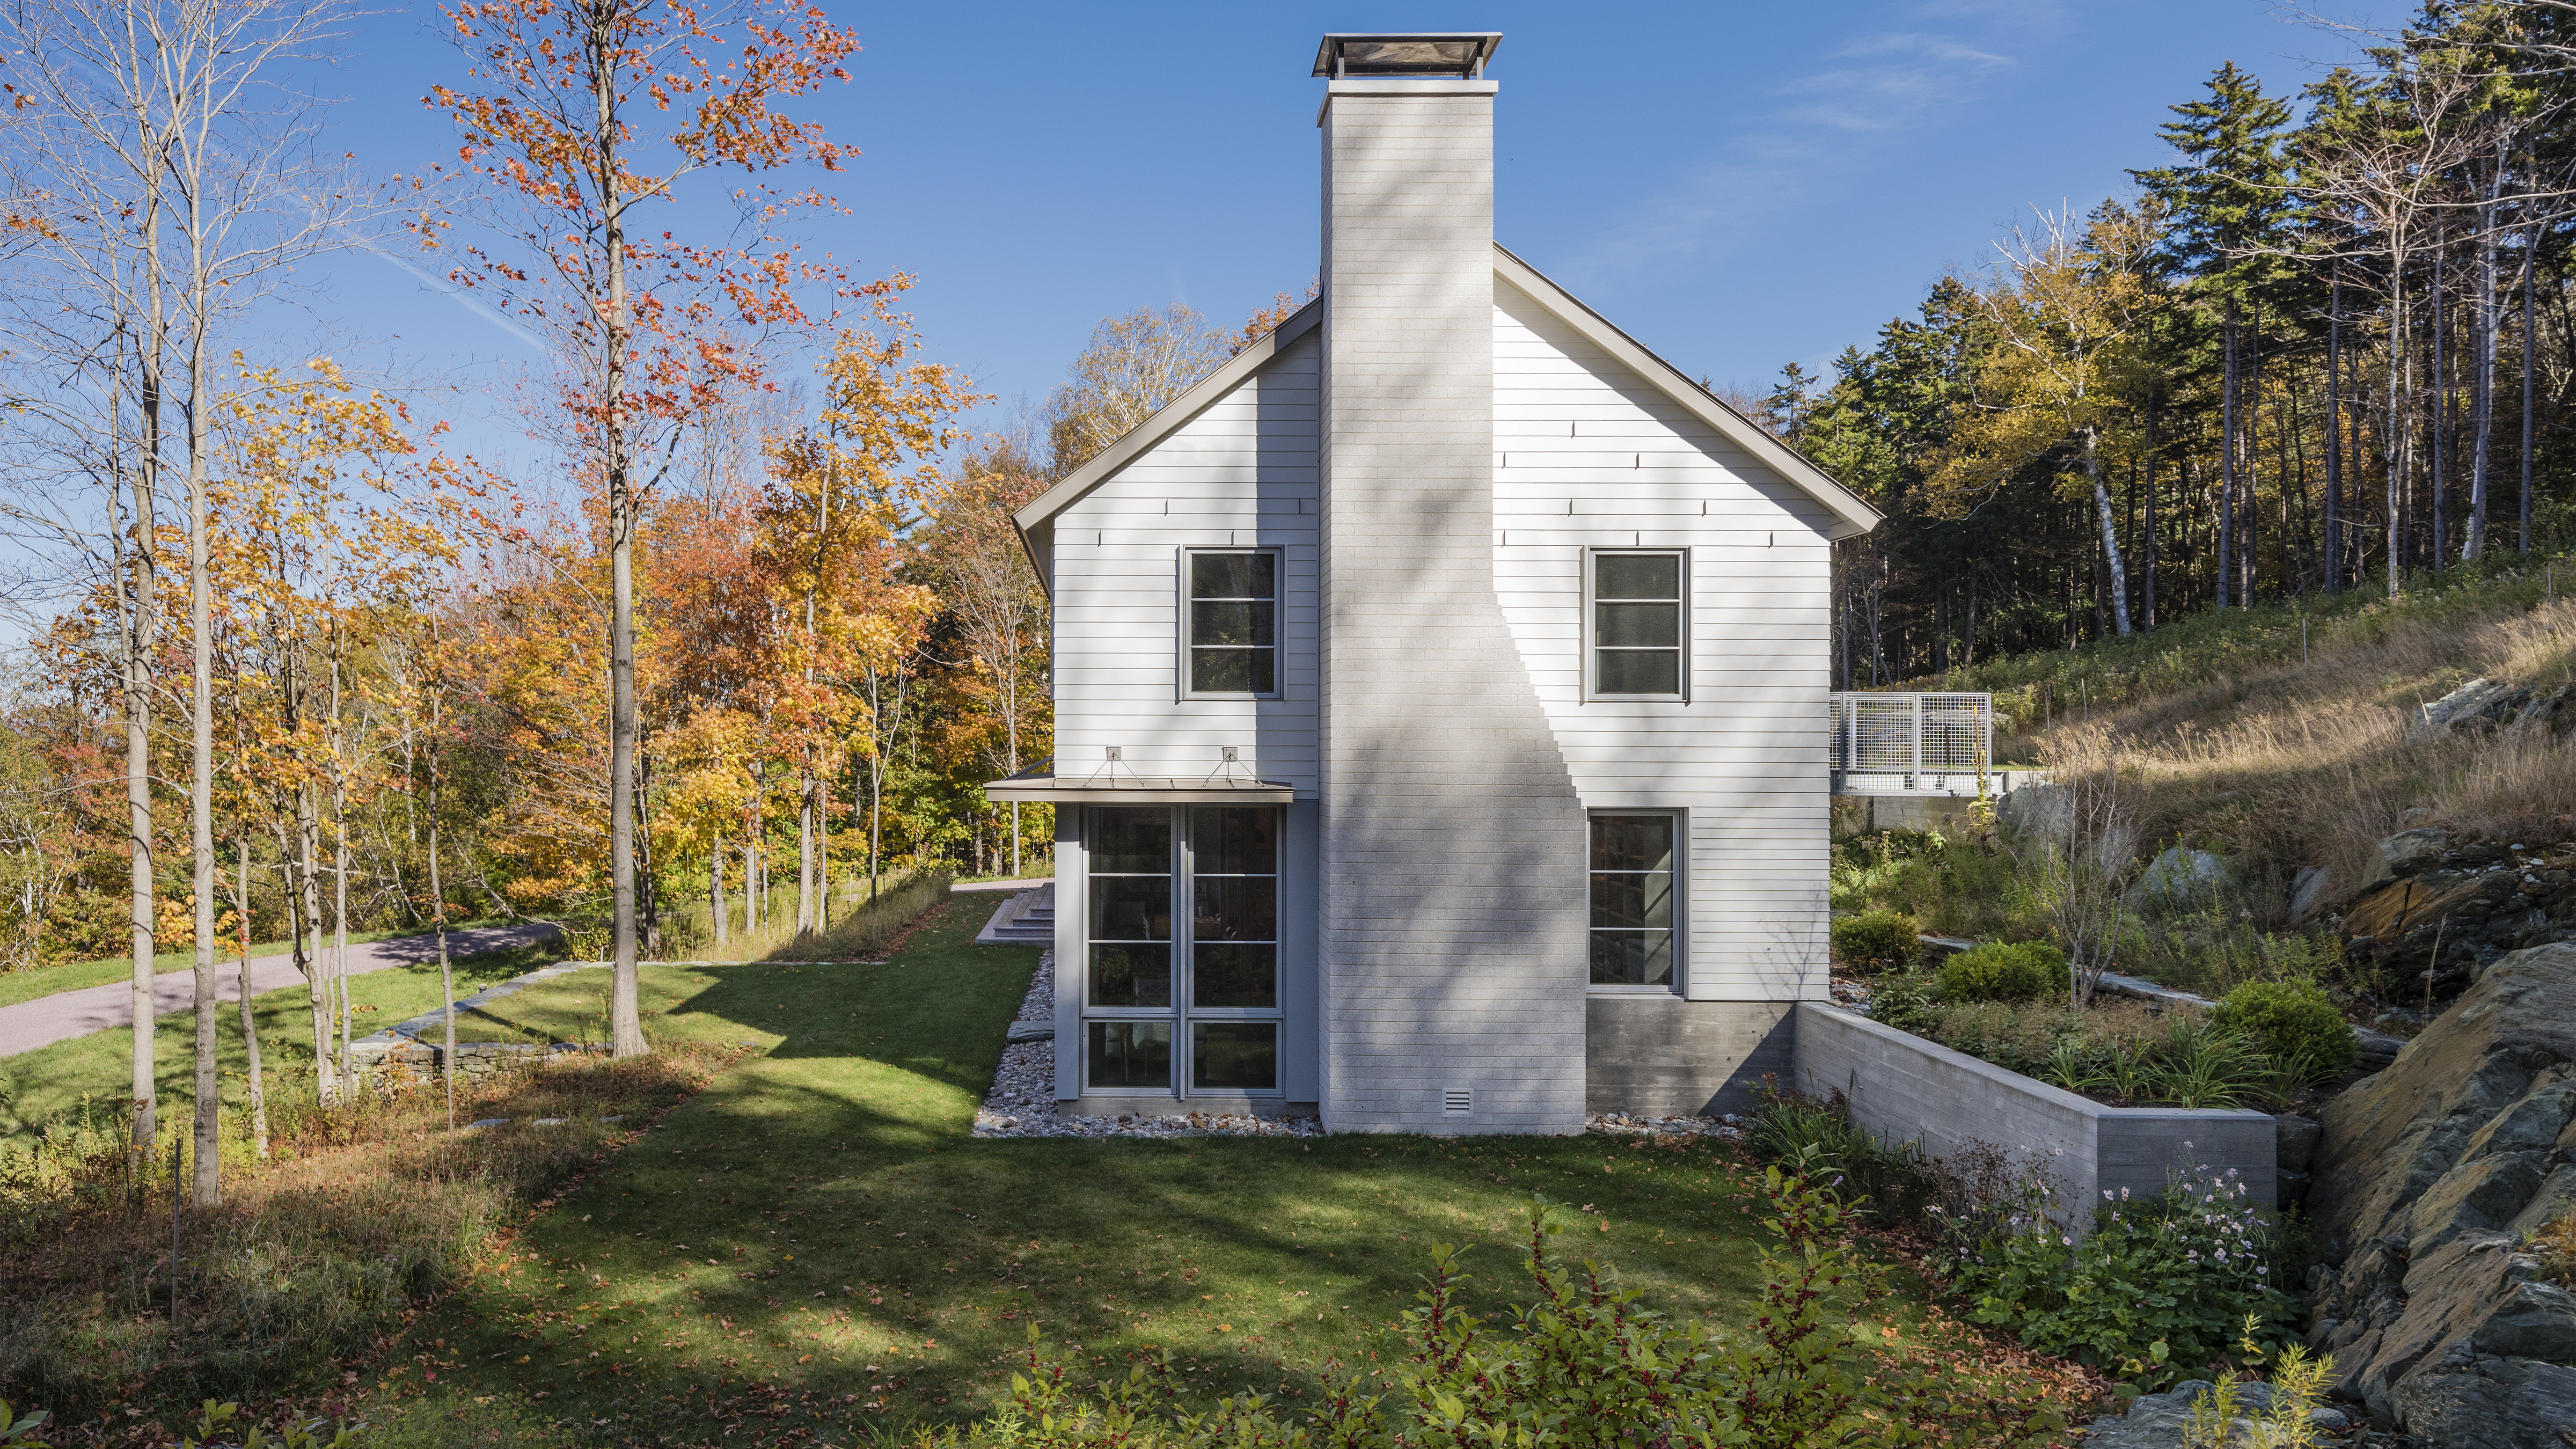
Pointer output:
x,y
1664,1056
1903,1088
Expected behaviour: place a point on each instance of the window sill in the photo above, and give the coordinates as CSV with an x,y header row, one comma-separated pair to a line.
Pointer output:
x,y
1596,989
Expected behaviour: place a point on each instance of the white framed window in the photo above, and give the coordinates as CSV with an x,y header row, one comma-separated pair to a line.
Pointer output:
x,y
1636,623
1229,625
1181,991
1637,915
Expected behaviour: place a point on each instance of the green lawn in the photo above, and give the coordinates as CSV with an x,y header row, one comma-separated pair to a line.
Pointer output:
x,y
52,1082
819,1242
31,982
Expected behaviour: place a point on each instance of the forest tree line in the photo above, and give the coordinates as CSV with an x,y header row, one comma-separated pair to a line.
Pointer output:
x,y
2327,344
746,634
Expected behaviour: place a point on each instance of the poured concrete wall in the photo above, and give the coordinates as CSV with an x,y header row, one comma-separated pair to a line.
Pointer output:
x,y
1903,1088
1663,1056
1452,889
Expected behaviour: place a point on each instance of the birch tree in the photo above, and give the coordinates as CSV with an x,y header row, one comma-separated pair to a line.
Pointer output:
x,y
176,179
2063,310
581,113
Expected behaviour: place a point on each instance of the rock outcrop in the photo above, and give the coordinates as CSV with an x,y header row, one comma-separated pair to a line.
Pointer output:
x,y
2467,903
2429,1178
2484,706
2180,875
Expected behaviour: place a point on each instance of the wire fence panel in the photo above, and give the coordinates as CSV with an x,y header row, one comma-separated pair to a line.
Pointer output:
x,y
1911,743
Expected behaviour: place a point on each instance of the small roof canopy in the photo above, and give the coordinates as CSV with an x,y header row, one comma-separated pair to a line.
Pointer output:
x,y
1114,784
1460,53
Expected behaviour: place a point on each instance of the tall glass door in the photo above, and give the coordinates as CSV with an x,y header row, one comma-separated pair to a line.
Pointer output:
x,y
1181,968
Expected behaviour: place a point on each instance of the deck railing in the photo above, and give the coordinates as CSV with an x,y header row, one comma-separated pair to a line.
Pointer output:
x,y
1912,744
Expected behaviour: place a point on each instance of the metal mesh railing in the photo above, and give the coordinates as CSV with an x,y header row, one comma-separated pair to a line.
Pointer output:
x,y
1913,741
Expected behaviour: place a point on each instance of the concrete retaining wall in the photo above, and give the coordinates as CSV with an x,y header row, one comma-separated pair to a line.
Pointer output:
x,y
1903,1088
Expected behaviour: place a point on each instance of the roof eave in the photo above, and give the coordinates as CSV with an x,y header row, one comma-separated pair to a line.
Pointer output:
x,y
1852,516
1039,511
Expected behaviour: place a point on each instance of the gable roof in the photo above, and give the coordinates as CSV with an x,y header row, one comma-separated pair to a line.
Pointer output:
x,y
1852,517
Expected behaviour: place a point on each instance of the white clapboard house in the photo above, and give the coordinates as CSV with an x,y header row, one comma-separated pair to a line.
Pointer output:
x,y
1440,689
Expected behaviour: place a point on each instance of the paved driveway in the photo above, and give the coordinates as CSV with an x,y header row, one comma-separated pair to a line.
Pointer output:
x,y
67,1014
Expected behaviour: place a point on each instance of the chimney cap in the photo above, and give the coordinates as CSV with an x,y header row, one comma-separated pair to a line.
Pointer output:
x,y
1460,53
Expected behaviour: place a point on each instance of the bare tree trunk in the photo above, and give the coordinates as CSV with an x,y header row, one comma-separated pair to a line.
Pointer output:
x,y
2482,322
138,812
438,915
258,1082
2530,346
309,939
2227,455
2333,573
715,890
201,735
340,873
2118,586
2401,438
2441,416
625,1012
2249,571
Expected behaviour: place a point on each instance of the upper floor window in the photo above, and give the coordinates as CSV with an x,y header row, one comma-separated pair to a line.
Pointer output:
x,y
1230,621
1636,623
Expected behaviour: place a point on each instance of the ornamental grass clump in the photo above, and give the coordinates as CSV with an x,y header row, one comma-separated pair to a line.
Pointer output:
x,y
2161,1286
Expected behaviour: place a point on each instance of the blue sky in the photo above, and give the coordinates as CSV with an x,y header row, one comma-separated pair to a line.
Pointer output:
x,y
1738,185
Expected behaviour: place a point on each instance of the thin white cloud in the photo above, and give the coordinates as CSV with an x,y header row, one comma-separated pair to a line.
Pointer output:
x,y
1881,82
473,305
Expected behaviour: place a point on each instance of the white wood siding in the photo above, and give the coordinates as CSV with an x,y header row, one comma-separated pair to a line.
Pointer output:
x,y
1242,473
1588,455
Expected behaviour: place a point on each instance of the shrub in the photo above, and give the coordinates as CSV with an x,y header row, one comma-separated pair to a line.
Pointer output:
x,y
2004,971
2160,1286
2294,1024
1582,1362
1875,941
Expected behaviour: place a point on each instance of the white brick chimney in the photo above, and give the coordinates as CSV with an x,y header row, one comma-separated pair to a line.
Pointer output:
x,y
1453,885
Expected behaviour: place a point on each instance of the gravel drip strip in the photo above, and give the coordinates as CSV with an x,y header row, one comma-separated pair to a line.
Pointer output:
x,y
1729,1128
1022,1100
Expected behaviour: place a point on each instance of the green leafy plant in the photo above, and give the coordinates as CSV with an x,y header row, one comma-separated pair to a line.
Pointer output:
x,y
1876,941
2158,1285
2004,971
1787,1127
2293,1022
215,1418
1910,1002
18,1433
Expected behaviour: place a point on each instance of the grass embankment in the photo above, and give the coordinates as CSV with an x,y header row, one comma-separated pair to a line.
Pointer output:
x,y
859,929
30,982
61,1082
2248,751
